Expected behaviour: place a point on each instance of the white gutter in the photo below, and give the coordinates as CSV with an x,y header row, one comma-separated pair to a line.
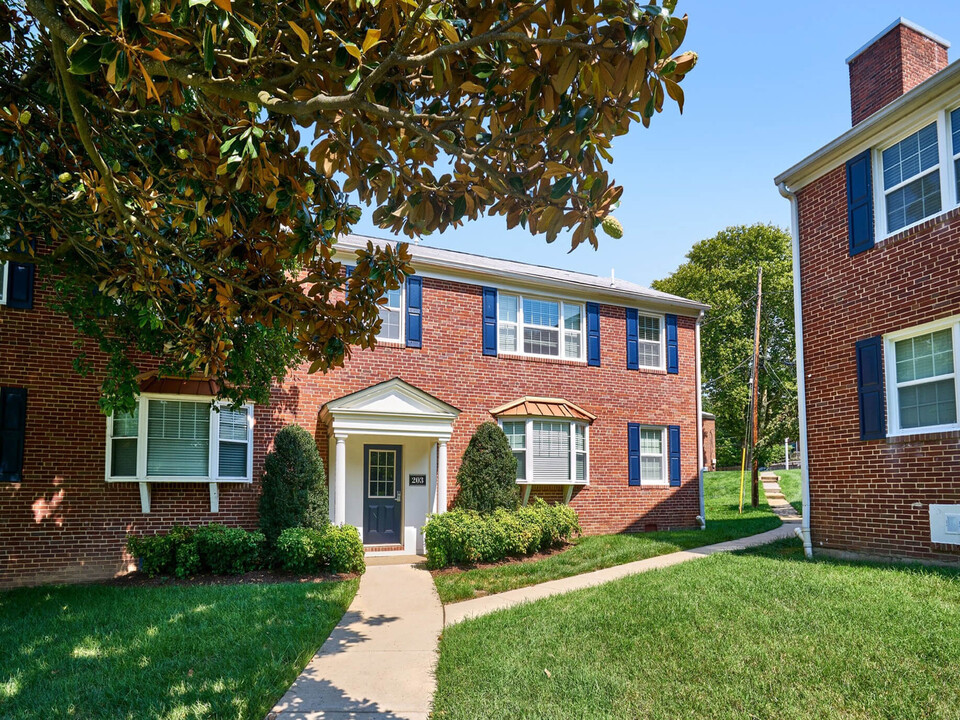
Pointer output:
x,y
804,531
702,519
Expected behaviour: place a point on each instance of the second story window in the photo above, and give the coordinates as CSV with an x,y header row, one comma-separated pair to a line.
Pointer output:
x,y
955,148
533,326
392,315
650,340
911,179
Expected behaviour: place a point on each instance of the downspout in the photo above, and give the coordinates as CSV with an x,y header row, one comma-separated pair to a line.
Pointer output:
x,y
804,531
702,517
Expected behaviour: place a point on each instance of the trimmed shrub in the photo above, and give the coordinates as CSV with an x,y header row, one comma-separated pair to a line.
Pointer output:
x,y
186,551
337,549
487,478
294,485
466,537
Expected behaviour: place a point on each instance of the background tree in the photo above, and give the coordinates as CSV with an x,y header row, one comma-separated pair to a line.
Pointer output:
x,y
487,478
722,271
151,152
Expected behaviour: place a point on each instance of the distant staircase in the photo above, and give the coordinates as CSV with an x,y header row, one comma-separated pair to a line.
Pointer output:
x,y
776,499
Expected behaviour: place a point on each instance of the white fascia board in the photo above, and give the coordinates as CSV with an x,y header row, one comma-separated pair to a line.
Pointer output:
x,y
940,92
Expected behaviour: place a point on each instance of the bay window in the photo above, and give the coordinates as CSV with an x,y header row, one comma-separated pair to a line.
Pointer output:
x,y
176,439
539,327
549,450
921,377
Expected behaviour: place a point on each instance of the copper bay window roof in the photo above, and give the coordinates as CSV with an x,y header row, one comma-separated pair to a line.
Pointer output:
x,y
543,407
153,382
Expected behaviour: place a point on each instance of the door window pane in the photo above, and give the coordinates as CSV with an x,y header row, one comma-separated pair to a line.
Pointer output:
x,y
381,471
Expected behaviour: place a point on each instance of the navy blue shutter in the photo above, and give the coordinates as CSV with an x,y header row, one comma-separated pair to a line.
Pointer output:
x,y
13,421
860,203
593,334
673,353
873,420
633,453
414,312
674,432
20,285
489,321
633,350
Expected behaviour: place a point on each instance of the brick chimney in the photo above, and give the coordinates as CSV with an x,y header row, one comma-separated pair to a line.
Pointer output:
x,y
897,60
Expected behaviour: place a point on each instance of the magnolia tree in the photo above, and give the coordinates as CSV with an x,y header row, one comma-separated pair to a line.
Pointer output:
x,y
181,169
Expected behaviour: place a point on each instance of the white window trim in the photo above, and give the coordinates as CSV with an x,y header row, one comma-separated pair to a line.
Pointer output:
x,y
662,365
520,324
3,282
664,457
528,449
402,340
890,375
214,458
945,166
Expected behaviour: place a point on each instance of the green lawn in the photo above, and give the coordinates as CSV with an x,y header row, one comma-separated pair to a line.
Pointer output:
x,y
790,484
600,551
220,651
760,634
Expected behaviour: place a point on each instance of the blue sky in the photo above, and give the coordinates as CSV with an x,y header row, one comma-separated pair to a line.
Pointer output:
x,y
771,87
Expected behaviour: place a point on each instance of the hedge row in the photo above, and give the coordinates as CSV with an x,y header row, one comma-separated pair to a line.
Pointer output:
x,y
232,551
463,537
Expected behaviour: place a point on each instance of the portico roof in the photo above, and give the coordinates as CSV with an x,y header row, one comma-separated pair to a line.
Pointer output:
x,y
393,407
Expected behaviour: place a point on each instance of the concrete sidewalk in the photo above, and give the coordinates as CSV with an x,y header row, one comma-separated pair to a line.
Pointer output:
x,y
456,612
379,661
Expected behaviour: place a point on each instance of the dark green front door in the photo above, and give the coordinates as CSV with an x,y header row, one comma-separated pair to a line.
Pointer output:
x,y
382,494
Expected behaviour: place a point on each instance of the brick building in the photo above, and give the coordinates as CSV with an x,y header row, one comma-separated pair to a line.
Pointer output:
x,y
876,225
595,382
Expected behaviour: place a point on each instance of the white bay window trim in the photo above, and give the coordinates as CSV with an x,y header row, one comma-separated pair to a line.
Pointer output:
x,y
529,450
892,386
945,169
213,458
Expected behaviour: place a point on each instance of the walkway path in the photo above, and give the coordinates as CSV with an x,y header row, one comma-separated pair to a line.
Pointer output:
x,y
379,662
456,612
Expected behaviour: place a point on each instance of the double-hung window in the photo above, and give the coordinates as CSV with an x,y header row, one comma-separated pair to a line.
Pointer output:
x,y
391,315
922,377
918,176
516,433
540,327
653,455
172,438
650,340
911,178
549,450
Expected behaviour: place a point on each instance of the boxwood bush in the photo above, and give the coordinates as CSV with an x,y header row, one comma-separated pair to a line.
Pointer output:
x,y
209,548
336,549
465,537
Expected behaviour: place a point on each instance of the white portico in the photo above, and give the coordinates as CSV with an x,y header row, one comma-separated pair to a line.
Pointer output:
x,y
388,457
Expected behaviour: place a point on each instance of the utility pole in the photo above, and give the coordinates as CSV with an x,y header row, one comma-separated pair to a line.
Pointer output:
x,y
755,409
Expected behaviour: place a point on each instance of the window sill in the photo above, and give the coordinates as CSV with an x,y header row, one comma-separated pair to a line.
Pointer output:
x,y
541,359
651,370
920,437
204,480
577,483
920,227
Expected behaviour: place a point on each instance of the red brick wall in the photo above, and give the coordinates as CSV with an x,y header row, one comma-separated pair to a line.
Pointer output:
x,y
64,522
871,497
893,65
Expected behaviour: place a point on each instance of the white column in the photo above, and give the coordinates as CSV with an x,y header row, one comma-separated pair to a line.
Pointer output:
x,y
442,476
340,482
